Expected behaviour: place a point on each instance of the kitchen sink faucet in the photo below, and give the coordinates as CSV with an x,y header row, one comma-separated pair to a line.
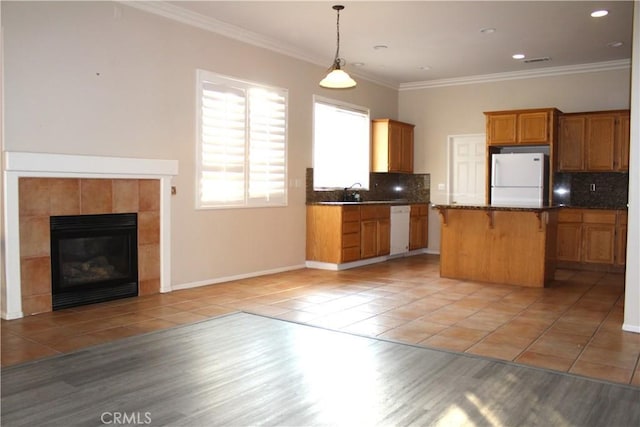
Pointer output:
x,y
354,196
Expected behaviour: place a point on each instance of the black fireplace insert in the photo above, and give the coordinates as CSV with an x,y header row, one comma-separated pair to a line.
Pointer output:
x,y
94,258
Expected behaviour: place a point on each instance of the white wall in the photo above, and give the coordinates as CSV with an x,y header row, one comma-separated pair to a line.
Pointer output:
x,y
632,290
456,110
102,78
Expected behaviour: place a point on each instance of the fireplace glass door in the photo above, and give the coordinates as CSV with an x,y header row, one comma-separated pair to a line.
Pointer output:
x,y
93,258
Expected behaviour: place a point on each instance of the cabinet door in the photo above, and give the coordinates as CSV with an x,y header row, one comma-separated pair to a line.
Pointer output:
x,y
622,143
598,243
569,242
368,238
418,227
395,147
621,238
417,232
571,143
501,129
621,245
533,128
406,149
599,143
384,237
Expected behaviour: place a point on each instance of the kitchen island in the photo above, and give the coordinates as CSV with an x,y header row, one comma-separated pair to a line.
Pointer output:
x,y
505,245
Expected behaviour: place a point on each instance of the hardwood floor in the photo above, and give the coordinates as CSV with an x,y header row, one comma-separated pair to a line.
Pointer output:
x,y
242,369
572,326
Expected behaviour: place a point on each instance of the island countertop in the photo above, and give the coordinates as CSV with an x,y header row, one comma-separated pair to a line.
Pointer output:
x,y
498,208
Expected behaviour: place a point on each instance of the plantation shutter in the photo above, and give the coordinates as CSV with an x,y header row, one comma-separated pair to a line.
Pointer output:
x,y
242,150
223,145
267,153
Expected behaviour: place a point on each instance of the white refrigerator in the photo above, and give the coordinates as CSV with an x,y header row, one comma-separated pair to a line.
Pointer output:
x,y
519,179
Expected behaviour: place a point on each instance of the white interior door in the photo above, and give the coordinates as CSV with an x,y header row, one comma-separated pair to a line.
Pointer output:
x,y
467,166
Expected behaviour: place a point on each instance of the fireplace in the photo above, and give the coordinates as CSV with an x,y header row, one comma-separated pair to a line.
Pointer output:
x,y
94,258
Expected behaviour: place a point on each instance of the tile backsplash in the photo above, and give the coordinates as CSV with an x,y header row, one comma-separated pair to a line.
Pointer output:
x,y
414,188
591,190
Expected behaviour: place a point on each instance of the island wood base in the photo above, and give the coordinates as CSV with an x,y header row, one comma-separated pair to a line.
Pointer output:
x,y
514,246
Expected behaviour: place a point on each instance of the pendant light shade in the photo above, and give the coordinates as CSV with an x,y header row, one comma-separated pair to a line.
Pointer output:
x,y
337,78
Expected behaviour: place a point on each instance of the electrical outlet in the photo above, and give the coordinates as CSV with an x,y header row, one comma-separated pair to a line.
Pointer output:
x,y
441,187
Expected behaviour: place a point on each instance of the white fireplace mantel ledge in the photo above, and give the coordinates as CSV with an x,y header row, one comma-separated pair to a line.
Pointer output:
x,y
46,163
22,164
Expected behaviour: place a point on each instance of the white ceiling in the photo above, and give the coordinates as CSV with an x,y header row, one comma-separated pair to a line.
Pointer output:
x,y
444,36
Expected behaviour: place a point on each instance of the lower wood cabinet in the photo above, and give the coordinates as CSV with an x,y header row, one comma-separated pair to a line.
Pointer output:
x,y
340,234
375,231
621,238
592,236
418,226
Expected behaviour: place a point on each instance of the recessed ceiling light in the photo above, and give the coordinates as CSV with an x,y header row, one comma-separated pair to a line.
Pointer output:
x,y
380,46
424,68
358,64
518,56
599,13
615,44
488,30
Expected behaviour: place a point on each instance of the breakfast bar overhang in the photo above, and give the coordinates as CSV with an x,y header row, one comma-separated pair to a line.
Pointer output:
x,y
504,245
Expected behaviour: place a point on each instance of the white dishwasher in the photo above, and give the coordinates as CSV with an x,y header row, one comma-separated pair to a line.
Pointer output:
x,y
400,229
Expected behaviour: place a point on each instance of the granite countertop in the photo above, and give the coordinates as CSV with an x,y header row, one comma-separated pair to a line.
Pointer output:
x,y
606,208
497,208
397,202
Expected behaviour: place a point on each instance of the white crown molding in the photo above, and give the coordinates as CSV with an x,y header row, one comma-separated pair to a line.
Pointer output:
x,y
516,75
207,23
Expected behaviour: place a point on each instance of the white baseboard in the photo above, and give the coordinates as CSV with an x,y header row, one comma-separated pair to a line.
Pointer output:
x,y
236,277
11,315
347,265
631,328
344,266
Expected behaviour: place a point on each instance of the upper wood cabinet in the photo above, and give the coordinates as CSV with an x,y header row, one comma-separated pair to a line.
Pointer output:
x,y
571,143
522,127
594,142
622,142
391,146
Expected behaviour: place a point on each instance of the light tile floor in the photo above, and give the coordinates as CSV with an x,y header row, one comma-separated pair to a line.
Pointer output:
x,y
574,325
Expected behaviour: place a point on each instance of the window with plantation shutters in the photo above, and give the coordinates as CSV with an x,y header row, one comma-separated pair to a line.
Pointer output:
x,y
242,143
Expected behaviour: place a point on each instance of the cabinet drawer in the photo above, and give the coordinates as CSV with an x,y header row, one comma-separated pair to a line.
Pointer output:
x,y
599,217
350,240
368,212
350,254
569,215
350,213
350,227
375,212
419,210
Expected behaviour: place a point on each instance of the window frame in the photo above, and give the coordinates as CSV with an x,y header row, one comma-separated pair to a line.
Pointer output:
x,y
204,76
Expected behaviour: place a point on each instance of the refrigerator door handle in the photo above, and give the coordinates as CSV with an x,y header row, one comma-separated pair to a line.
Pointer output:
x,y
494,173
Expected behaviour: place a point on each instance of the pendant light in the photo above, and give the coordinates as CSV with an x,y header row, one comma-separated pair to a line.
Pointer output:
x,y
337,78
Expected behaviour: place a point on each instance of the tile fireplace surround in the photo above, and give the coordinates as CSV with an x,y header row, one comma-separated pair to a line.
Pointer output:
x,y
40,185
